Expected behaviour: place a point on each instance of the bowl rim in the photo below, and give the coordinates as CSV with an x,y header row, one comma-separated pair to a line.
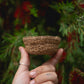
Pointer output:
x,y
41,37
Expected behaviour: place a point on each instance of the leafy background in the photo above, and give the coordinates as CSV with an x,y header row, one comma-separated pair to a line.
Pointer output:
x,y
64,18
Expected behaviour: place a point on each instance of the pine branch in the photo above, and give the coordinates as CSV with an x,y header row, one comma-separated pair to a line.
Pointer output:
x,y
15,40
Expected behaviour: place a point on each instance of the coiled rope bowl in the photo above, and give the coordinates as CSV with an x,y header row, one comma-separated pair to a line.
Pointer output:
x,y
41,45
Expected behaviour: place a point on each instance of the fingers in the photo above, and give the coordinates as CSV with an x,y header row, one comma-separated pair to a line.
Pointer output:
x,y
56,58
48,76
46,72
24,60
48,82
41,69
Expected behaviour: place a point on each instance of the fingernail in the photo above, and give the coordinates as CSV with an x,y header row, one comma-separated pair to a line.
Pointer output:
x,y
62,49
32,73
32,82
20,48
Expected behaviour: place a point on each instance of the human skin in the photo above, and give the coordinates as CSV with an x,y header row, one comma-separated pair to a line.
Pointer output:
x,y
44,74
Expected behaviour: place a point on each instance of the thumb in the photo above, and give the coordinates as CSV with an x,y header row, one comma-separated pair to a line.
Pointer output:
x,y
54,60
24,61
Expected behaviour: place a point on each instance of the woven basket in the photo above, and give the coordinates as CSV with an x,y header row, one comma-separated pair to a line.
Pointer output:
x,y
41,45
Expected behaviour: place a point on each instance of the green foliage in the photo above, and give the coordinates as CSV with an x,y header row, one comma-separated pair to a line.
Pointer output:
x,y
34,12
10,50
71,20
67,7
14,41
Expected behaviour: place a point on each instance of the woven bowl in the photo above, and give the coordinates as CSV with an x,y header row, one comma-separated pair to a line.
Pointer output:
x,y
41,45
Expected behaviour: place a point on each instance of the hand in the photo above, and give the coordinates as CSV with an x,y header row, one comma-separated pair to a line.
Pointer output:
x,y
22,74
44,74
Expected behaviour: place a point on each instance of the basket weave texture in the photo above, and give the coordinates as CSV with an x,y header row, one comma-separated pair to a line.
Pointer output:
x,y
41,45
